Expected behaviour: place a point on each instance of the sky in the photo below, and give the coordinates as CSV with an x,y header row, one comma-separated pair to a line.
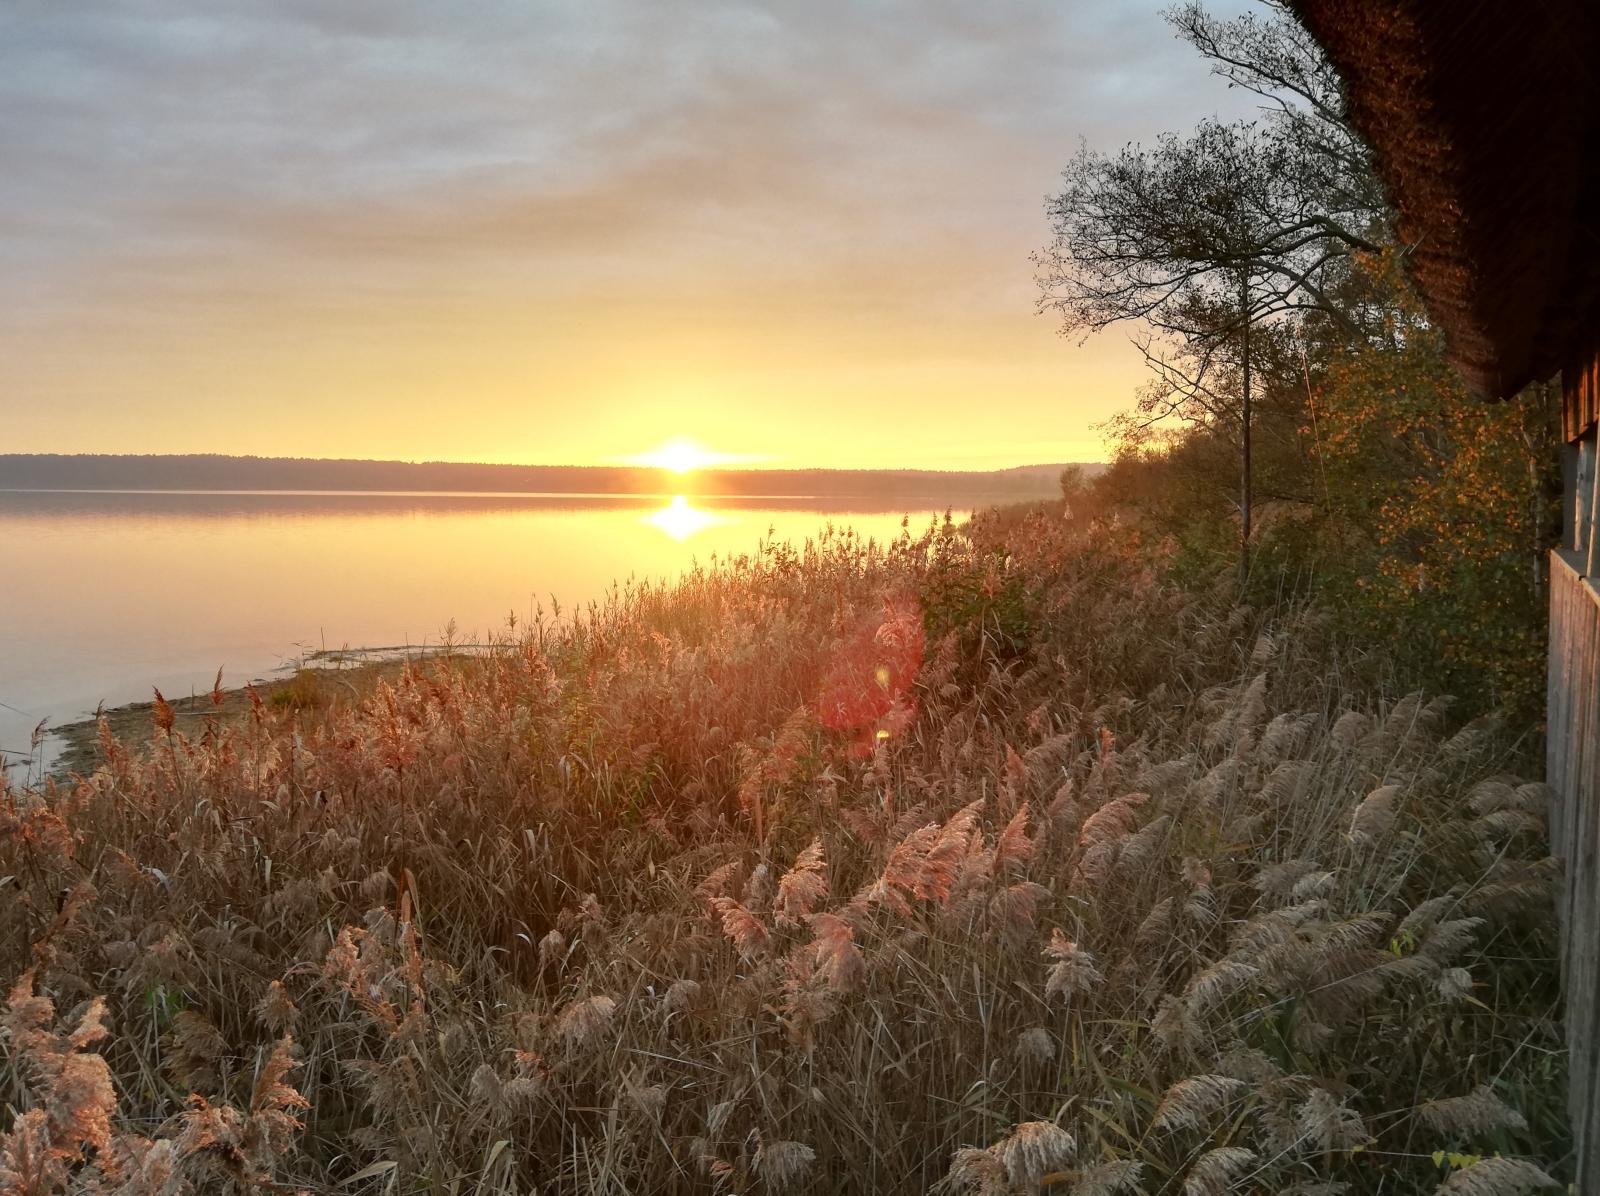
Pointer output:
x,y
541,232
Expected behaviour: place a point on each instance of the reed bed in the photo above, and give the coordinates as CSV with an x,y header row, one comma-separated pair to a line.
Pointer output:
x,y
985,861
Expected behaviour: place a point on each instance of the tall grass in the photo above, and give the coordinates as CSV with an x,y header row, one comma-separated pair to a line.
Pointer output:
x,y
984,862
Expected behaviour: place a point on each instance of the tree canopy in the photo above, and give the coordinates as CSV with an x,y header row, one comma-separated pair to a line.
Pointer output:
x,y
1256,267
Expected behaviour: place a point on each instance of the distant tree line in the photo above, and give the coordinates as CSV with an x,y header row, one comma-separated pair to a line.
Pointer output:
x,y
210,471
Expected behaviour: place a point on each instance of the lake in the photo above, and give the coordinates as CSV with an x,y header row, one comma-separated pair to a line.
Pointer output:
x,y
104,594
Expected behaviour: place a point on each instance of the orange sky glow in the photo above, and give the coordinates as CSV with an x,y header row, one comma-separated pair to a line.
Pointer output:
x,y
796,235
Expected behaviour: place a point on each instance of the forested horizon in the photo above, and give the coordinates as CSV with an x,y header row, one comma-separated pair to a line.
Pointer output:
x,y
88,471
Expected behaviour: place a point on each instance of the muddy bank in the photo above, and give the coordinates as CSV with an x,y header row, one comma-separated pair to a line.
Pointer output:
x,y
326,681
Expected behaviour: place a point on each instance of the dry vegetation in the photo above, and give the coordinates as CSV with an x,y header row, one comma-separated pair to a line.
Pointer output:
x,y
961,865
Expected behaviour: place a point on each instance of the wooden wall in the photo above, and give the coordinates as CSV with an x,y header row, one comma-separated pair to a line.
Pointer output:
x,y
1573,772
1580,397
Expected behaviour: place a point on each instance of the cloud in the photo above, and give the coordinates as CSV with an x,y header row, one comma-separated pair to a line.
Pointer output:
x,y
198,164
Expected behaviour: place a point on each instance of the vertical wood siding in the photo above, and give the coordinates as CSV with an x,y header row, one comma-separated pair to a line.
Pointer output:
x,y
1580,397
1573,772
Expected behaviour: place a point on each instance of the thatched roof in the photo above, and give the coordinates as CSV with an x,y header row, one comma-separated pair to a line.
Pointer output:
x,y
1484,116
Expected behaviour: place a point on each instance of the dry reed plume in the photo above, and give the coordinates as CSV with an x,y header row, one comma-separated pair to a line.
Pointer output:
x,y
985,862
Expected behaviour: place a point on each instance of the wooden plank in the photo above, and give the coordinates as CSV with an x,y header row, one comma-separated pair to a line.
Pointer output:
x,y
1583,1033
1573,773
1569,489
1581,969
1578,995
1580,397
1589,531
1583,496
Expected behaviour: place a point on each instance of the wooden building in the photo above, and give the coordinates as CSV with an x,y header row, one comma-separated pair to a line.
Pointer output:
x,y
1484,119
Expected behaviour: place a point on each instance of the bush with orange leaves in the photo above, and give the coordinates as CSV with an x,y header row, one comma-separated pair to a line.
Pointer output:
x,y
678,895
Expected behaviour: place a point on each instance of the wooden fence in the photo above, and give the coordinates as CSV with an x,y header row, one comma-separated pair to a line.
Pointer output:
x,y
1573,772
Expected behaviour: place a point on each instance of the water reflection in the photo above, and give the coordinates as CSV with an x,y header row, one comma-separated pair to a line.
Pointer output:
x,y
680,520
103,595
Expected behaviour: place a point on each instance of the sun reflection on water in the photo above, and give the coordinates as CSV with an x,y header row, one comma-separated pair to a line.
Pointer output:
x,y
680,520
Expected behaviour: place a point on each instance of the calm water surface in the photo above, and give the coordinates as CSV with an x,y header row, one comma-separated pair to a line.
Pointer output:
x,y
105,594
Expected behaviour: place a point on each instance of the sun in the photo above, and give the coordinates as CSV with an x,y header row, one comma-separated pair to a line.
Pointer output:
x,y
683,455
679,455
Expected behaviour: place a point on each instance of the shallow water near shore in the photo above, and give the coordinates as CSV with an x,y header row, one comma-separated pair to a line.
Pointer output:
x,y
104,594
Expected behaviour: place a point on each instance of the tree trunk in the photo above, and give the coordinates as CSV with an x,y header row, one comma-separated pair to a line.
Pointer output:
x,y
1244,440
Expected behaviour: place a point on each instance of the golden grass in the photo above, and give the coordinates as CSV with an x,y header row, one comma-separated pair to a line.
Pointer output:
x,y
992,863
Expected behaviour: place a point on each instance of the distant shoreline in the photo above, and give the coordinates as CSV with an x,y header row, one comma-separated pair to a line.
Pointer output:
x,y
206,473
631,495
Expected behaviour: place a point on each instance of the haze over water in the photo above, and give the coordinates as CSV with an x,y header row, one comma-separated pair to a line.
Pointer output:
x,y
107,594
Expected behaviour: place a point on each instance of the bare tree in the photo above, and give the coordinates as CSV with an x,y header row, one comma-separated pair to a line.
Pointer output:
x,y
1199,239
1278,60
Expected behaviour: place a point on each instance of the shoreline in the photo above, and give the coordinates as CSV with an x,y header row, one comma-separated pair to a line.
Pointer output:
x,y
317,682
